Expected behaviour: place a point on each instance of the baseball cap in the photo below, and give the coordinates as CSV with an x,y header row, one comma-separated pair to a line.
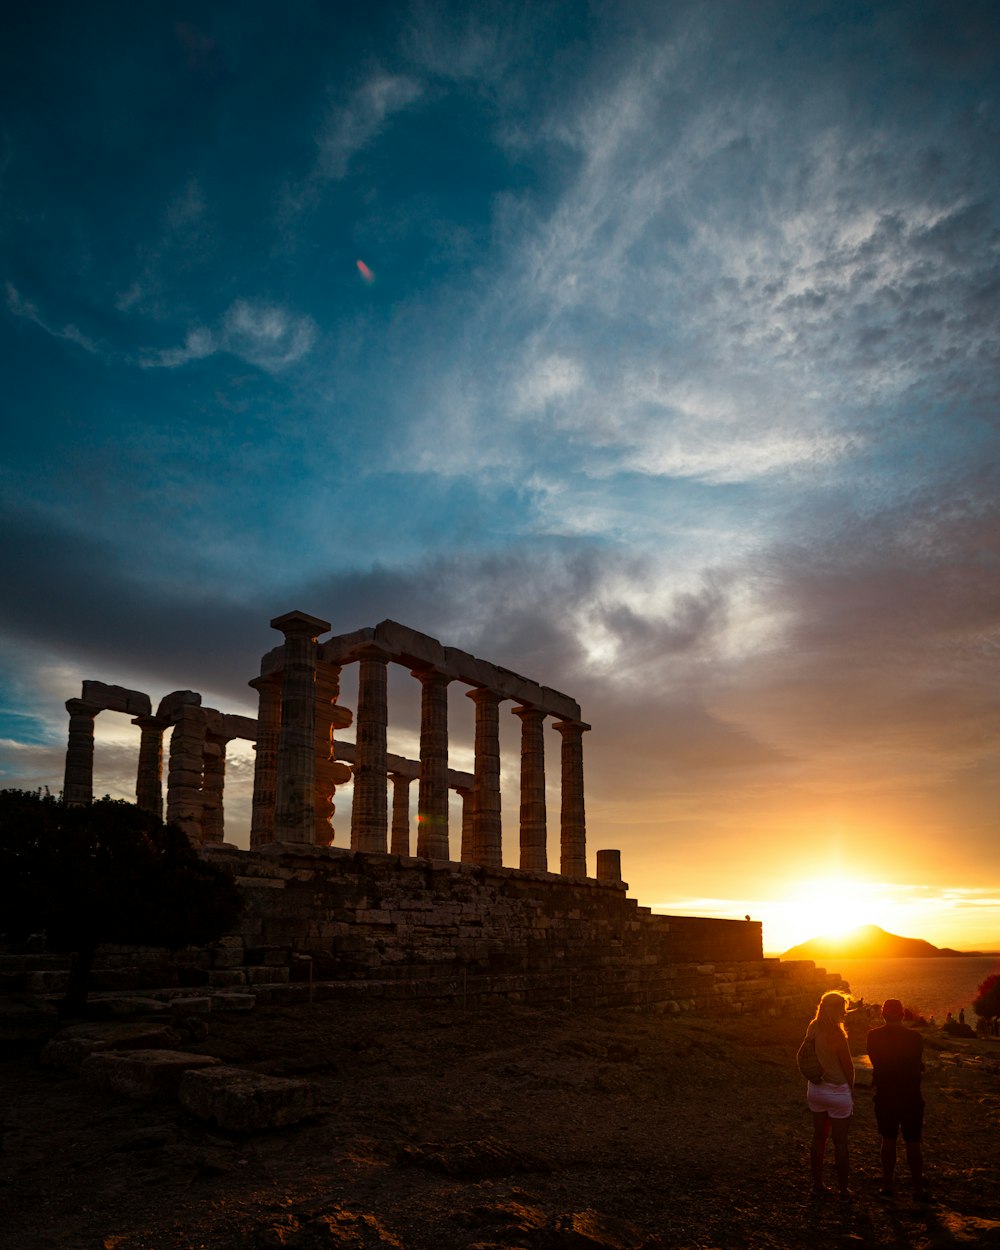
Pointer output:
x,y
892,1007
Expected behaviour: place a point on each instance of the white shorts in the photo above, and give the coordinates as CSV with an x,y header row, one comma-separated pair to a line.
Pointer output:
x,y
836,1100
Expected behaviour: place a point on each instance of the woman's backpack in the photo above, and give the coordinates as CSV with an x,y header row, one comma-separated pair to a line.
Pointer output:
x,y
809,1065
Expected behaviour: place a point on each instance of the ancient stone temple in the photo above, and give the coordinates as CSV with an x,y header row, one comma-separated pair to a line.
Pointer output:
x,y
300,761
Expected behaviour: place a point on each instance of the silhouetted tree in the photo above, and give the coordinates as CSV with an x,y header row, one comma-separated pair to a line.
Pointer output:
x,y
987,1000
104,872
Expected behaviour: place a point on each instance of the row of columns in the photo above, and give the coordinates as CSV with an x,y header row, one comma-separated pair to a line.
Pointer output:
x,y
196,769
287,759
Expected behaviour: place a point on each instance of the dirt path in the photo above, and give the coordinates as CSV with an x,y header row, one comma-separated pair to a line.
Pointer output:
x,y
444,1129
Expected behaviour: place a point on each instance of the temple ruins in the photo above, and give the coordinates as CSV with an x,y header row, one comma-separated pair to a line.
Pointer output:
x,y
382,916
300,762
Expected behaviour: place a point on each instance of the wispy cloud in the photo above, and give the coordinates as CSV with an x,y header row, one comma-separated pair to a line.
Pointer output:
x,y
21,307
263,334
350,127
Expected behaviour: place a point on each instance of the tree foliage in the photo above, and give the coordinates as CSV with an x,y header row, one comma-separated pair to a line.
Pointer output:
x,y
104,872
987,1000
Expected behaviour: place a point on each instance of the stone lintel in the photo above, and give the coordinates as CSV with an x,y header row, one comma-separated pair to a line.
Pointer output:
x,y
117,698
572,723
340,649
402,766
234,726
171,704
559,704
297,622
409,646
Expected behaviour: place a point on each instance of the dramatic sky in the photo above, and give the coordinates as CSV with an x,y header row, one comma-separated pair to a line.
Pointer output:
x,y
648,349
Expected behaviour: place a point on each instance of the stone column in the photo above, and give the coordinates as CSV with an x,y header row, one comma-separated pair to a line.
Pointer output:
x,y
213,815
573,821
78,782
186,772
369,816
486,827
400,844
467,831
432,796
149,778
295,798
327,693
265,771
533,833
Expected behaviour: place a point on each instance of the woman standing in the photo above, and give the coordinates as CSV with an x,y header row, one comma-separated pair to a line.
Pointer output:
x,y
831,1100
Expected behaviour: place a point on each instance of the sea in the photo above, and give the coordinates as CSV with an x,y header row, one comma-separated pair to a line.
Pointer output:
x,y
932,987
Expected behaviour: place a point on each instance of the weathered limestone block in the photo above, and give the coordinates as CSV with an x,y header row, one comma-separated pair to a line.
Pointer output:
x,y
117,698
68,1049
226,978
146,1075
245,1102
266,975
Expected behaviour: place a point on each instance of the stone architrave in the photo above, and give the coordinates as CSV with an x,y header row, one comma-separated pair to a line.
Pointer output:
x,y
213,815
487,846
295,798
400,841
186,772
265,772
370,813
573,820
78,782
432,797
149,778
533,830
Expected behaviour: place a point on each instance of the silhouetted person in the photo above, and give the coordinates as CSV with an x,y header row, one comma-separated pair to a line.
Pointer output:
x,y
961,1015
897,1062
831,1099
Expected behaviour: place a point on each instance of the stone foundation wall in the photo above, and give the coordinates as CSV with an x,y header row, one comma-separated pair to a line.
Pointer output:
x,y
326,922
406,926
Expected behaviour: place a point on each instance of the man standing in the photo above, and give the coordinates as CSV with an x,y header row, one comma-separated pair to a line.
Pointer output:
x,y
897,1062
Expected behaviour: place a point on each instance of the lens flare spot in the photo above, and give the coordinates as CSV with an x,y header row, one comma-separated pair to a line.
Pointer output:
x,y
365,272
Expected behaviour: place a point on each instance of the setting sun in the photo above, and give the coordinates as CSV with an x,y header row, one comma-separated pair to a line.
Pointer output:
x,y
825,907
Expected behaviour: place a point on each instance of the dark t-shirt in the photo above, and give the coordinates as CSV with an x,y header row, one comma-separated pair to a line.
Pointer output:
x,y
896,1055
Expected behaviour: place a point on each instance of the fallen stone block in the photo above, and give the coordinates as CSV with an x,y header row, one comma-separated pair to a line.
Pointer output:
x,y
245,1102
229,1001
68,1049
26,1022
147,1075
195,1006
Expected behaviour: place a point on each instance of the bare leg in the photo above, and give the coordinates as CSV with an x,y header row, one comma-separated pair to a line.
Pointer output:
x,y
887,1154
915,1158
840,1155
821,1129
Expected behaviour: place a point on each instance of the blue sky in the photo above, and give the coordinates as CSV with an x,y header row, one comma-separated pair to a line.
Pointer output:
x,y
670,381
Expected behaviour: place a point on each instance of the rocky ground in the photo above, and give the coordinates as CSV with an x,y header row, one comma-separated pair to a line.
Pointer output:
x,y
443,1128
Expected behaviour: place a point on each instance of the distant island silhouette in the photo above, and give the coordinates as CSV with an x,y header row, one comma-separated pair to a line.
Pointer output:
x,y
868,941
